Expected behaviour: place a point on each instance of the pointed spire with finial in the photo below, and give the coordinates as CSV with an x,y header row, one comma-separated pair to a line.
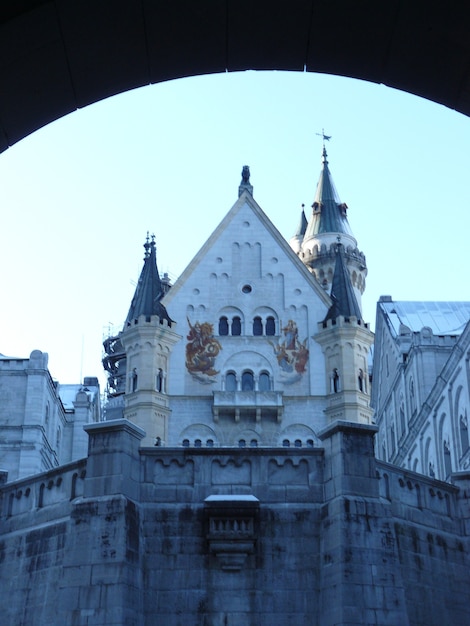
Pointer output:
x,y
329,214
149,290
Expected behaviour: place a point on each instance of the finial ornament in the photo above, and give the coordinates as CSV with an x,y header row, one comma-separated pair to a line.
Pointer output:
x,y
245,174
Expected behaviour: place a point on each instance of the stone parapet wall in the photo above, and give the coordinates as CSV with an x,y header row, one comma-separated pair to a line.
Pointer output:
x,y
231,537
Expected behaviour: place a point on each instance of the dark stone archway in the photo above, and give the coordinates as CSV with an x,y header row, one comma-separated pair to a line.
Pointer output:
x,y
60,55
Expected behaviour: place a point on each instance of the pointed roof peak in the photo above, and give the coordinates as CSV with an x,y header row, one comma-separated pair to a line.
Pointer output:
x,y
342,292
245,184
302,225
149,290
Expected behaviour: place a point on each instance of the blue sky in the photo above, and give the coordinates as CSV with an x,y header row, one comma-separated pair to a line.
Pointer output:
x,y
80,194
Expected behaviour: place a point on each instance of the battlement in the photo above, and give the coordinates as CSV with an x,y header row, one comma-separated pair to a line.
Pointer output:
x,y
343,322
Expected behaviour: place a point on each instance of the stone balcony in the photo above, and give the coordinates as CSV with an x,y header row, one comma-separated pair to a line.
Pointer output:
x,y
256,404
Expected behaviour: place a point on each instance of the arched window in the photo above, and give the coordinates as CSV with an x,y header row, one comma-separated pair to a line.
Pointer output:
x,y
447,460
254,443
159,382
197,443
335,380
310,443
270,326
392,439
236,326
185,443
223,326
464,432
360,380
298,443
286,443
210,443
257,327
412,396
264,382
230,382
242,443
247,381
402,417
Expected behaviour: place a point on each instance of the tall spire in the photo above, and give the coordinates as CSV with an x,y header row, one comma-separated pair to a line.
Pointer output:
x,y
329,213
149,290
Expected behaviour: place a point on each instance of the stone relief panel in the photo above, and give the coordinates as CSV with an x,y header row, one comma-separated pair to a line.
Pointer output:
x,y
288,472
231,472
173,472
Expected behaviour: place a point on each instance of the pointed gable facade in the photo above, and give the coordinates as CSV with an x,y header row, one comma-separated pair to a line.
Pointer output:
x,y
248,371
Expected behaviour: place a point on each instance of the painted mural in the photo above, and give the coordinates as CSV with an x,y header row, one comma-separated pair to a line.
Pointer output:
x,y
202,349
292,355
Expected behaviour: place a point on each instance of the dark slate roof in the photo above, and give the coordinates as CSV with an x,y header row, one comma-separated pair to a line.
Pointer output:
x,y
329,214
149,290
302,226
342,292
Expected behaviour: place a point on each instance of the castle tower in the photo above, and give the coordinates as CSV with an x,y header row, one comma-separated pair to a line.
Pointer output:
x,y
346,341
148,338
328,221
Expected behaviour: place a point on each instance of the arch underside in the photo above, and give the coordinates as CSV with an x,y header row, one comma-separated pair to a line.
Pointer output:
x,y
58,56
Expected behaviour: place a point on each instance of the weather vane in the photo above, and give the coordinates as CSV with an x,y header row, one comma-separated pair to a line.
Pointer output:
x,y
323,136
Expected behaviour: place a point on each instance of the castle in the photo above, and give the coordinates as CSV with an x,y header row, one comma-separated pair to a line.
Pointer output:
x,y
253,467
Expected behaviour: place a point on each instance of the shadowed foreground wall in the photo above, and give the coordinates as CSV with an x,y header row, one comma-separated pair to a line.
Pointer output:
x,y
233,537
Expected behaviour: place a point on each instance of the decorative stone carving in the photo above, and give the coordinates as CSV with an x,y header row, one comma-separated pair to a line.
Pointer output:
x,y
231,526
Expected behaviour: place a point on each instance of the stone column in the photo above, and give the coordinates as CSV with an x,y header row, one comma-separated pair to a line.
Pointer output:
x,y
102,581
360,569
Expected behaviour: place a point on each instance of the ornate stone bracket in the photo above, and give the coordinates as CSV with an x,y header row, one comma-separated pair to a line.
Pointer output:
x,y
231,528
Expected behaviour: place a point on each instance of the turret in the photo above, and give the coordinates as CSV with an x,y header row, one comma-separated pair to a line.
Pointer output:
x,y
328,221
346,341
146,342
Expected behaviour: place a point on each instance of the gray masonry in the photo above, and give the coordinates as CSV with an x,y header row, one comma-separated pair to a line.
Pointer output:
x,y
233,537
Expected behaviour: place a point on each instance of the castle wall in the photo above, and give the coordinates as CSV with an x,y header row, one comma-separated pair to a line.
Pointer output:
x,y
231,537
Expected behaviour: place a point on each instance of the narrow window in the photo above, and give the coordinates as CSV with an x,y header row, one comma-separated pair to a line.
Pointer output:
x,y
230,382
264,382
160,380
134,380
335,381
447,460
236,326
270,326
247,381
223,326
464,433
257,327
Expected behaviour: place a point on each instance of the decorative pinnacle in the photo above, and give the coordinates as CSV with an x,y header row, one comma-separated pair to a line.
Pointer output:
x,y
148,244
324,138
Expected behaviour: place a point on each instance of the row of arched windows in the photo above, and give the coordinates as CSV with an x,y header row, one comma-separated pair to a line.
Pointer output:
x,y
253,443
247,381
233,326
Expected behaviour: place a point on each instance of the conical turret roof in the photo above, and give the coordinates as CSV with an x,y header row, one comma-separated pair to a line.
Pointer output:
x,y
302,225
329,213
342,292
149,290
